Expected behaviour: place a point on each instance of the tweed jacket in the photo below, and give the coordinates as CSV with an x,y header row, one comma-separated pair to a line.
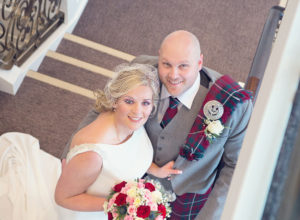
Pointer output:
x,y
219,159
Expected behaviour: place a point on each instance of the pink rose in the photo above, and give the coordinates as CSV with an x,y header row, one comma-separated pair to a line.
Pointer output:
x,y
130,200
148,196
128,217
115,215
125,189
160,217
112,200
153,206
140,185
131,210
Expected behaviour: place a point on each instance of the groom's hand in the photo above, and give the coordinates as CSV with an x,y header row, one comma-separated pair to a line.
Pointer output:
x,y
165,171
168,170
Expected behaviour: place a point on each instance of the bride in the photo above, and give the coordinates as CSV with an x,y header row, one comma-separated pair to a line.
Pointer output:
x,y
113,148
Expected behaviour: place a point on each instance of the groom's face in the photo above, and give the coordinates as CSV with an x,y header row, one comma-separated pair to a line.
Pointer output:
x,y
178,66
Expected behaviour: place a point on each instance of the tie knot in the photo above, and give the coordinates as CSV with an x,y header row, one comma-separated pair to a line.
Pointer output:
x,y
173,102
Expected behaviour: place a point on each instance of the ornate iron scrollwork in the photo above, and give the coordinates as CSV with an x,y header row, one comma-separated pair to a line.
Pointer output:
x,y
24,25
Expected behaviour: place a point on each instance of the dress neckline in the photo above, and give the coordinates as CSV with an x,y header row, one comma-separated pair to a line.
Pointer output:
x,y
113,145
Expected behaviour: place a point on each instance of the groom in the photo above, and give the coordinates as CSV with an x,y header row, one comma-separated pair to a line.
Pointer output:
x,y
200,125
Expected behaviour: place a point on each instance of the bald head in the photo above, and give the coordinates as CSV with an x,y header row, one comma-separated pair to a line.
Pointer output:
x,y
179,62
183,40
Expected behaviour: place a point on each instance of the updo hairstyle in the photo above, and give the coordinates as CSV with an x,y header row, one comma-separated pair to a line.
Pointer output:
x,y
127,77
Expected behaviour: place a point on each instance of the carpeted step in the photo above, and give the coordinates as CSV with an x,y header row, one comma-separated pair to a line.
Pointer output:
x,y
46,112
72,74
92,52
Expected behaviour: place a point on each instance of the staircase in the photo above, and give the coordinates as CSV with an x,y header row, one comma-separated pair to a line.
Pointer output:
x,y
79,65
57,96
53,99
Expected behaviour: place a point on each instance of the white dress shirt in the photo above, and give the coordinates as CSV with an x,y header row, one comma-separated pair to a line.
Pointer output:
x,y
185,99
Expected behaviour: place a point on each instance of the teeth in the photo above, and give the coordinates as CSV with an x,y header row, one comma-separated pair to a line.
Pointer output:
x,y
175,82
135,119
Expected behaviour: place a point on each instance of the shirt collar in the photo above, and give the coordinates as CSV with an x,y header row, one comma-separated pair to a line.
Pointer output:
x,y
187,97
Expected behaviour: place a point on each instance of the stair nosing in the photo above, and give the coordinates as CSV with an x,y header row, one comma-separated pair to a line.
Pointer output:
x,y
99,47
61,84
81,64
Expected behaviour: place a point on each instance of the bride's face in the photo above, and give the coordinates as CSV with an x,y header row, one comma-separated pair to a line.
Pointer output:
x,y
133,109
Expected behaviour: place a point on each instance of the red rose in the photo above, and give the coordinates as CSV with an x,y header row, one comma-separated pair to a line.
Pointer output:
x,y
162,210
143,211
150,187
121,199
110,216
118,187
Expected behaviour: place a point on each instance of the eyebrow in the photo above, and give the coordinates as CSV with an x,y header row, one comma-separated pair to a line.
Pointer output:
x,y
126,96
166,60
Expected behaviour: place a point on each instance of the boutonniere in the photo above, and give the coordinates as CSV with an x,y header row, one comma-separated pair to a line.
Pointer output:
x,y
213,111
213,129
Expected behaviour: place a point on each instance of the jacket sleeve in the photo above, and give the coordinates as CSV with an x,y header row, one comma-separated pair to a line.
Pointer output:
x,y
146,59
213,207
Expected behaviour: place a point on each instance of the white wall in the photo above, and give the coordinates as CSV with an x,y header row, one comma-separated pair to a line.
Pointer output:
x,y
260,150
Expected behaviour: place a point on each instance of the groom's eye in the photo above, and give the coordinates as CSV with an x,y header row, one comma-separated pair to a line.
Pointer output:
x,y
184,66
166,64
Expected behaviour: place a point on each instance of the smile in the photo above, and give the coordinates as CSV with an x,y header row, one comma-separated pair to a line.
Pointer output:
x,y
174,82
136,119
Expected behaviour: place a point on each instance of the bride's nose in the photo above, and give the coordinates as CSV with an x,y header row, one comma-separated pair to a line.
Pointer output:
x,y
137,108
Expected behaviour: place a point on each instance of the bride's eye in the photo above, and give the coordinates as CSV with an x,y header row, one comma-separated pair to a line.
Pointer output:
x,y
146,103
128,101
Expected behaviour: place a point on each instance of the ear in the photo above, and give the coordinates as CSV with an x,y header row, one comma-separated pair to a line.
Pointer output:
x,y
200,62
114,106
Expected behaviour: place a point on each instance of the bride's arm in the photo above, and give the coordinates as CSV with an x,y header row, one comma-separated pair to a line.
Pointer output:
x,y
80,172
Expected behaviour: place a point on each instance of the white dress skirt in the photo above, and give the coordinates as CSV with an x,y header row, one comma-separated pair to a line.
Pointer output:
x,y
28,175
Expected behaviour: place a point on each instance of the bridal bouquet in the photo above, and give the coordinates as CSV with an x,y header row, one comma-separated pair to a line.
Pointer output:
x,y
139,199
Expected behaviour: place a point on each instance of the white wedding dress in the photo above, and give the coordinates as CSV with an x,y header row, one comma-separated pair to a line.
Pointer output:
x,y
28,175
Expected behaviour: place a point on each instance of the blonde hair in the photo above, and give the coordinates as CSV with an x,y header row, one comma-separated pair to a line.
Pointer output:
x,y
127,77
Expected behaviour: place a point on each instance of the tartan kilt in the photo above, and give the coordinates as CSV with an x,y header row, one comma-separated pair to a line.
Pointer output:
x,y
188,205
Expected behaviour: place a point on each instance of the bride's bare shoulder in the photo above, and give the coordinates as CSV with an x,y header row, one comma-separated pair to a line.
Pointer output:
x,y
95,132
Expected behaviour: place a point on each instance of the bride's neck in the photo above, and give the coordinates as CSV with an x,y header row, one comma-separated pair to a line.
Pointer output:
x,y
122,133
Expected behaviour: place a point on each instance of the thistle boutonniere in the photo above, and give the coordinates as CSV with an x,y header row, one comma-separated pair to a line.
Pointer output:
x,y
213,129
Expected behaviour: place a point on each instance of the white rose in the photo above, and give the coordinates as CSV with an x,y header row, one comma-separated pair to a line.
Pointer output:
x,y
105,206
156,196
215,127
132,192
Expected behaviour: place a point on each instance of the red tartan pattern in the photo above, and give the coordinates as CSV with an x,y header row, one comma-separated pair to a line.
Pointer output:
x,y
229,94
170,112
188,205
